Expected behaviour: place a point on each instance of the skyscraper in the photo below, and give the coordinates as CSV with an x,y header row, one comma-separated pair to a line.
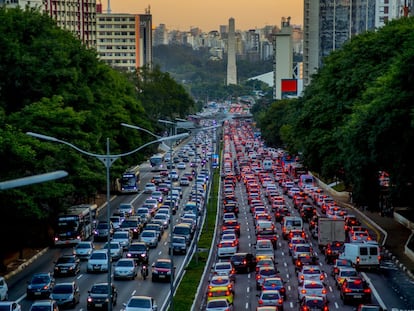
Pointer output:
x,y
231,54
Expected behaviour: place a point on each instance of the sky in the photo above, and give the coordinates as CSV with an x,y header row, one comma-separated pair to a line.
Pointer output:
x,y
210,14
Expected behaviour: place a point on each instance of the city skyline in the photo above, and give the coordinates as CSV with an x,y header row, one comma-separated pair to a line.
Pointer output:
x,y
209,15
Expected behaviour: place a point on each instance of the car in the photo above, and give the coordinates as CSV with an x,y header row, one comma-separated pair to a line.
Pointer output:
x,y
220,292
10,306
271,297
221,280
369,307
305,259
267,308
83,250
127,209
98,262
4,289
224,268
355,289
179,245
359,236
313,303
343,273
275,283
173,175
234,224
157,195
164,218
310,272
125,268
226,248
40,286
98,297
66,294
243,262
316,288
181,165
115,249
139,251
184,181
332,251
265,262
43,305
150,237
66,265
162,270
141,303
265,272
219,305
264,248
124,238
340,263
103,230
157,227
144,214
294,241
116,221
150,188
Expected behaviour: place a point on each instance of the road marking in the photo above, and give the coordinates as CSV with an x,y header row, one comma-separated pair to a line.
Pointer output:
x,y
336,305
374,291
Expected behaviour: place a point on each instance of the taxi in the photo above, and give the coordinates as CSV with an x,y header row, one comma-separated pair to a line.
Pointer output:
x,y
220,292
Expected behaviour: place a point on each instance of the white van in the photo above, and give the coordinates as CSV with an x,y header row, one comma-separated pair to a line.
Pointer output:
x,y
362,255
291,223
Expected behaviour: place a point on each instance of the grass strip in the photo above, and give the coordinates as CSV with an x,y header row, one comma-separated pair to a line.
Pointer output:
x,y
183,299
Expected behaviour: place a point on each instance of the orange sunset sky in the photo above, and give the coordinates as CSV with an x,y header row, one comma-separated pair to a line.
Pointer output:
x,y
210,14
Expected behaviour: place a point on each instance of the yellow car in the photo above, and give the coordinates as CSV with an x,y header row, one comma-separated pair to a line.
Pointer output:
x,y
343,273
220,292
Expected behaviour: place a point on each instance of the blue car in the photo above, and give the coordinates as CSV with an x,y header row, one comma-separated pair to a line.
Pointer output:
x,y
275,283
40,286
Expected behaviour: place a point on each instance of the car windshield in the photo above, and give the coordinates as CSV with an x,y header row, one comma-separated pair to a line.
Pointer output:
x,y
138,247
139,303
274,282
120,235
40,280
62,289
98,256
99,289
83,245
125,263
270,296
217,304
314,303
35,308
162,264
65,260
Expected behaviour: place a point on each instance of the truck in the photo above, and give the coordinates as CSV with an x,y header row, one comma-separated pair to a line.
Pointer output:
x,y
330,230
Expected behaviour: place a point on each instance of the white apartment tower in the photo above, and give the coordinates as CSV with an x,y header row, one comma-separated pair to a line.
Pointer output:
x,y
231,54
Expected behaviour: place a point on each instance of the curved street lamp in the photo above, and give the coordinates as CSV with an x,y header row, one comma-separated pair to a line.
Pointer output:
x,y
30,180
107,159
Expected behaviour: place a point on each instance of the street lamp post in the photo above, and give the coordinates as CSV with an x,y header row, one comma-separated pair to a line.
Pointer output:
x,y
30,180
107,159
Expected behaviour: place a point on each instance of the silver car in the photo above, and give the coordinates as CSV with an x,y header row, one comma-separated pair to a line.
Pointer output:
x,y
66,294
83,250
125,268
115,250
122,237
150,237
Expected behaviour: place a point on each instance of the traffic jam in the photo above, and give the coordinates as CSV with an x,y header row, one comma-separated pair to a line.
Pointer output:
x,y
284,243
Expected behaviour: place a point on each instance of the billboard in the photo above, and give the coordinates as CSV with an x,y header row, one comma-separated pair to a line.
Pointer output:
x,y
289,87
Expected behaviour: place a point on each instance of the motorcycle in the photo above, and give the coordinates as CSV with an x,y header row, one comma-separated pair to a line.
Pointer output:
x,y
144,271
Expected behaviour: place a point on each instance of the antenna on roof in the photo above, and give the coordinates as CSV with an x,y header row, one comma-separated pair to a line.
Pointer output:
x,y
148,10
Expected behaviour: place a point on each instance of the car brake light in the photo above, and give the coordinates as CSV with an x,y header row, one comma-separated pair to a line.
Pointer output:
x,y
210,294
347,290
321,277
324,291
260,301
325,308
280,301
303,291
367,290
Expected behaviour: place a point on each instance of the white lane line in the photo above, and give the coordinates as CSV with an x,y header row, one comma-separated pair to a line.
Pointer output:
x,y
374,291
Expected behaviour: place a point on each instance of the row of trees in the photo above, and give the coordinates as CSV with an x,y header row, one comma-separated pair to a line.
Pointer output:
x,y
356,117
53,85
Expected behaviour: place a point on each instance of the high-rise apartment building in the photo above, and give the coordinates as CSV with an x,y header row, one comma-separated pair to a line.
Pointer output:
x,y
160,35
330,23
125,40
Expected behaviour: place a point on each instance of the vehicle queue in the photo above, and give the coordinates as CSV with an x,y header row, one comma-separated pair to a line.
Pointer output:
x,y
268,215
135,231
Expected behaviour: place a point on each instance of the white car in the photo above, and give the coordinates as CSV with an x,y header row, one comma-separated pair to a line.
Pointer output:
x,y
126,208
219,305
150,237
115,250
141,303
98,261
83,250
226,248
4,289
181,165
224,268
164,218
310,288
122,237
150,187
125,268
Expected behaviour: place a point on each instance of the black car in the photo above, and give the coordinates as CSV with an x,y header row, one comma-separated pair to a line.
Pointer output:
x,y
231,224
40,286
307,211
231,208
139,251
66,265
355,290
98,297
243,262
332,251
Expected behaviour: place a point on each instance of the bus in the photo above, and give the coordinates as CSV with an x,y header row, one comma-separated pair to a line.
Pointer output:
x,y
129,181
75,225
157,162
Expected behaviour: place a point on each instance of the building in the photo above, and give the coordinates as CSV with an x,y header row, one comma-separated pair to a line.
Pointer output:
x,y
160,35
329,24
124,40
